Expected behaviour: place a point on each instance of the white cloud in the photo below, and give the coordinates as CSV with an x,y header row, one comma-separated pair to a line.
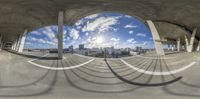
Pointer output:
x,y
141,34
145,43
91,42
68,38
100,24
28,43
79,27
92,16
130,32
79,23
130,26
36,33
50,43
114,29
115,39
127,16
87,34
131,40
114,42
48,31
74,34
40,40
64,31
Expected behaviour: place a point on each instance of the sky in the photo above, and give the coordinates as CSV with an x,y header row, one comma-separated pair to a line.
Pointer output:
x,y
95,31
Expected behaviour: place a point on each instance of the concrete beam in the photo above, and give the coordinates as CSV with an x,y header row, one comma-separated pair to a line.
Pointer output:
x,y
22,41
60,34
156,37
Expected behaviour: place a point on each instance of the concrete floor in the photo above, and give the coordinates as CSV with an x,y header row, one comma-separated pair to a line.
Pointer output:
x,y
19,79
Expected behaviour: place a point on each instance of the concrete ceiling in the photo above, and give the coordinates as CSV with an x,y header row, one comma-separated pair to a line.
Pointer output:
x,y
171,32
16,15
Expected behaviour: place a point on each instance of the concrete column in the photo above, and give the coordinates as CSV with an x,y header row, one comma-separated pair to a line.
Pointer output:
x,y
156,38
1,46
168,47
182,47
186,43
192,40
22,41
13,45
172,47
60,34
175,47
1,42
18,43
178,44
198,46
189,45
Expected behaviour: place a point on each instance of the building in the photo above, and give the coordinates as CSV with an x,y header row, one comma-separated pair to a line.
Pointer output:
x,y
81,46
71,49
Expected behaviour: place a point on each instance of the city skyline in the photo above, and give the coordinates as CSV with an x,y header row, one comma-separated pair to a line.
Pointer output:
x,y
95,31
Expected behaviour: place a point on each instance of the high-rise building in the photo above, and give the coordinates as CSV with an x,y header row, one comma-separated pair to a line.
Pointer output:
x,y
71,49
81,46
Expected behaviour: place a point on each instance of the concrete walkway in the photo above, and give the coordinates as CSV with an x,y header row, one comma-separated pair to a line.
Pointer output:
x,y
21,80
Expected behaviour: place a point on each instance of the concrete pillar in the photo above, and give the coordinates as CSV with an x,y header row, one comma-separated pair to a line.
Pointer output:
x,y
185,47
168,47
175,47
1,42
189,45
156,38
13,45
198,46
22,41
186,43
60,34
192,40
181,47
178,44
172,47
1,46
18,43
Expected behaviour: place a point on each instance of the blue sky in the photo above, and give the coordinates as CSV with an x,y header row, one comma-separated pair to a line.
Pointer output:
x,y
97,30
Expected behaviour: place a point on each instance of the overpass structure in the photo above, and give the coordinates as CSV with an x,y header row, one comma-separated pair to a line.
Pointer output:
x,y
41,75
172,22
